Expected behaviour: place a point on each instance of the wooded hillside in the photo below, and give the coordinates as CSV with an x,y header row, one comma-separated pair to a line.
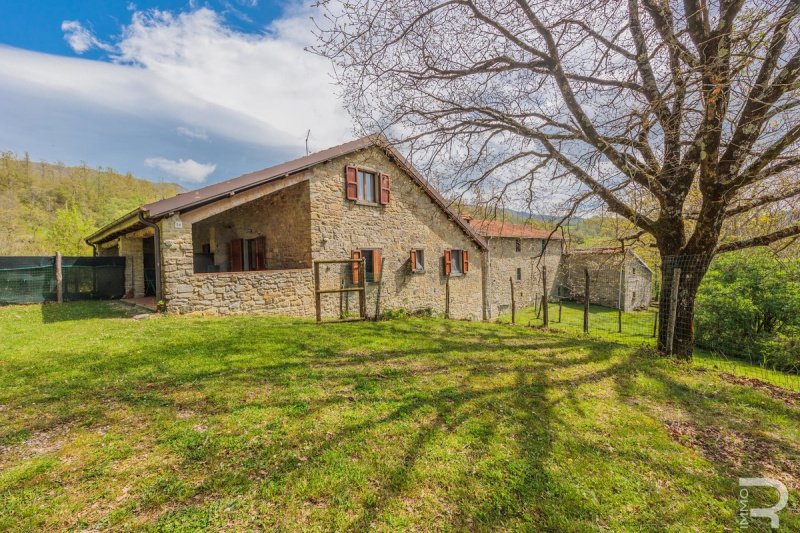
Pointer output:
x,y
48,207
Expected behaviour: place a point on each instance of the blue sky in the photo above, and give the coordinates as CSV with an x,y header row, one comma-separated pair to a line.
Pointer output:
x,y
188,91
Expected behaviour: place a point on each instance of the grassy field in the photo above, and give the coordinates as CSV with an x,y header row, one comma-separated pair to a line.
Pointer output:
x,y
177,424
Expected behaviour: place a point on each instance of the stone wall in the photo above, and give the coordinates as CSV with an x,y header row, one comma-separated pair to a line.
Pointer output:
x,y
638,284
604,277
283,218
275,292
504,260
411,221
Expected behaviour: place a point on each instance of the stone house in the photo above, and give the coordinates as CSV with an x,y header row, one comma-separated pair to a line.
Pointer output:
x,y
614,277
248,244
518,256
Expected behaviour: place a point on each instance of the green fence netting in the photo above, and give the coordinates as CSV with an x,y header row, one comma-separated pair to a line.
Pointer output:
x,y
26,280
33,279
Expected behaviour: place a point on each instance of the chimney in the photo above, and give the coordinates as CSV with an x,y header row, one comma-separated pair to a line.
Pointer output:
x,y
466,218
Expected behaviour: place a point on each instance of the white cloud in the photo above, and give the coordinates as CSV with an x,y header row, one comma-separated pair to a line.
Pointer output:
x,y
81,39
186,170
188,73
192,133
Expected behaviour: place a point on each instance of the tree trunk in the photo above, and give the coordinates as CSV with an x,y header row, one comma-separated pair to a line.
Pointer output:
x,y
693,268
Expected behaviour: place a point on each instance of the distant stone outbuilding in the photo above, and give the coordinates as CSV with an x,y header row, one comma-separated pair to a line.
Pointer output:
x,y
518,256
608,268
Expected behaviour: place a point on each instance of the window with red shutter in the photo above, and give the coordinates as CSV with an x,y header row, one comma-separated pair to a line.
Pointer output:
x,y
385,184
465,260
417,261
448,262
351,182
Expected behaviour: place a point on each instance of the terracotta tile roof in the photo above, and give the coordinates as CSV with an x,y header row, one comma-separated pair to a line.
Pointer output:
x,y
496,228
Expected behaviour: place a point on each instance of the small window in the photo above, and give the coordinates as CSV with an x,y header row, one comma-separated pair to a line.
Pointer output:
x,y
519,274
544,245
518,245
456,262
367,188
418,260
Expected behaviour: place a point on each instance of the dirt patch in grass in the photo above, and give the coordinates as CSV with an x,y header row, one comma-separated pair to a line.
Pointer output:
x,y
741,451
773,390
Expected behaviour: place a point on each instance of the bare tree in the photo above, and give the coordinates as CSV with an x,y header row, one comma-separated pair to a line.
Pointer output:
x,y
680,116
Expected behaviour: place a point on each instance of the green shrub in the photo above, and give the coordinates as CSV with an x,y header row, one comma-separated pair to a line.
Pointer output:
x,y
748,306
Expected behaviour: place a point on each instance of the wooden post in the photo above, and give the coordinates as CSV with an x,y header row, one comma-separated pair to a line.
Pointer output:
x,y
341,300
586,301
362,294
447,297
673,308
317,295
559,310
513,302
545,310
378,292
59,280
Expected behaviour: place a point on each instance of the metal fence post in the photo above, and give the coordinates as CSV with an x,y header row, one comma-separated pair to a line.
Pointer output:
x,y
59,279
673,308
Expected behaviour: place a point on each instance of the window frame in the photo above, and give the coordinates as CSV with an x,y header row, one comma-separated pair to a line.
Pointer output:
x,y
519,274
456,253
420,259
361,186
518,245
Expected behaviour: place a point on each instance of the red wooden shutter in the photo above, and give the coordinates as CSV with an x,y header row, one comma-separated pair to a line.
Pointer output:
x,y
465,260
376,265
356,254
235,255
351,182
385,184
448,262
413,260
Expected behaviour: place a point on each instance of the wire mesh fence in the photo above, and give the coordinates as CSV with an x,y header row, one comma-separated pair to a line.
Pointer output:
x,y
740,314
30,280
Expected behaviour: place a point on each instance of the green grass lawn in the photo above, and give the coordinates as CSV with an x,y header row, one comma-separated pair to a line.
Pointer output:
x,y
637,330
246,423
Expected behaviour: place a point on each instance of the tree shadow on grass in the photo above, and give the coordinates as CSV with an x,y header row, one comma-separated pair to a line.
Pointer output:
x,y
86,310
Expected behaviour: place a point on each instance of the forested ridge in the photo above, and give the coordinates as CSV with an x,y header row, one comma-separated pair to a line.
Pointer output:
x,y
49,207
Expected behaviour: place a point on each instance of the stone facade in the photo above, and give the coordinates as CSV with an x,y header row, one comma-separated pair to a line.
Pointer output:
x,y
606,272
312,220
277,292
411,220
283,218
504,260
